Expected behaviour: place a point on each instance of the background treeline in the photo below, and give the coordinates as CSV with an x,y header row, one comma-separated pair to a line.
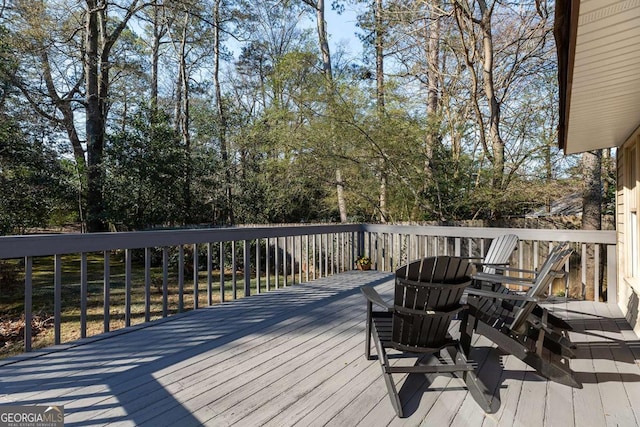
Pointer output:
x,y
132,114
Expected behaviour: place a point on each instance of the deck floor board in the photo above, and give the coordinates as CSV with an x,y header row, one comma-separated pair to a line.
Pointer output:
x,y
294,356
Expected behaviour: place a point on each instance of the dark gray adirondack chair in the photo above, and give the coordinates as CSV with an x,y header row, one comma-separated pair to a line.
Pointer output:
x,y
426,298
508,320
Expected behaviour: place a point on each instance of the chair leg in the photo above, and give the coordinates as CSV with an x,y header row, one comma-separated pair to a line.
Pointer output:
x,y
478,390
467,325
388,379
393,394
481,394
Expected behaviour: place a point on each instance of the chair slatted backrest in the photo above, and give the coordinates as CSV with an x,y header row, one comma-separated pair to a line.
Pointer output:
x,y
552,268
499,252
426,298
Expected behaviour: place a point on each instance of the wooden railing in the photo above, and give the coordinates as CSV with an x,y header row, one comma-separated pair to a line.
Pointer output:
x,y
137,277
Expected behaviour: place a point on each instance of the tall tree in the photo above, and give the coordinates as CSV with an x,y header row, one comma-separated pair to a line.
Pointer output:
x,y
323,41
480,47
101,34
227,209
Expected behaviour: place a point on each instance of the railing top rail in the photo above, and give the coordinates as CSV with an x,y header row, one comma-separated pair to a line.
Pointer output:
x,y
584,236
50,244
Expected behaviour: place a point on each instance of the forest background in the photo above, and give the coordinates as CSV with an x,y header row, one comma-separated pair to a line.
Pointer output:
x,y
134,114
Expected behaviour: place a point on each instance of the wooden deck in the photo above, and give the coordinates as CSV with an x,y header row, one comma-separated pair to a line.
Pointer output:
x,y
295,357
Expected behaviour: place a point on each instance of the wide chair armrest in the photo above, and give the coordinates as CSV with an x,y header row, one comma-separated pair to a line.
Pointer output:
x,y
374,297
500,278
499,295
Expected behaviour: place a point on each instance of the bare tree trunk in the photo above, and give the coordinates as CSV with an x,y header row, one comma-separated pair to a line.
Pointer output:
x,y
184,121
227,213
94,122
466,21
380,103
323,40
432,137
97,47
497,144
341,200
155,58
379,34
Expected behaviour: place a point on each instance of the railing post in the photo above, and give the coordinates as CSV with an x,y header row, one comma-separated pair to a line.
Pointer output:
x,y
165,281
147,284
127,287
258,242
222,285
106,291
83,295
28,301
57,298
209,274
180,279
195,277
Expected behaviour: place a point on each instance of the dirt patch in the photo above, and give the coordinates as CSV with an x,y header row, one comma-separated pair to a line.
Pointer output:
x,y
12,329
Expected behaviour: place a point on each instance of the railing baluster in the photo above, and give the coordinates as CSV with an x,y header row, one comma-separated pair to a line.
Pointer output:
x,y
222,284
127,287
209,274
196,303
321,256
277,261
583,267
83,295
165,281
596,272
106,291
57,297
147,284
392,252
306,250
28,301
313,257
267,257
324,242
285,273
180,279
234,267
300,259
258,266
247,268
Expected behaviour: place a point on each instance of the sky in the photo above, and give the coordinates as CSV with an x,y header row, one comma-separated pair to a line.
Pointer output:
x,y
342,29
